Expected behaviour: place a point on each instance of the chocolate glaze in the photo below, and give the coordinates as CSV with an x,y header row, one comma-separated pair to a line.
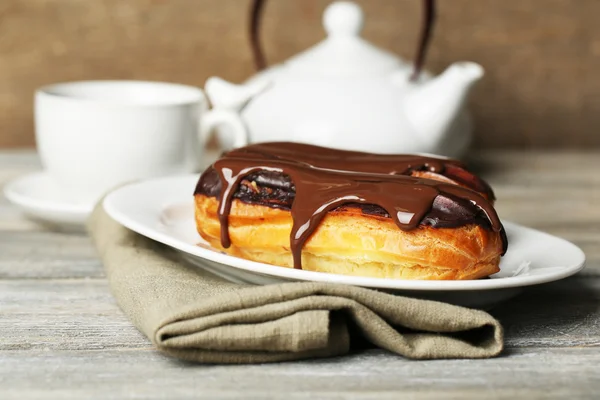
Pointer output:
x,y
310,181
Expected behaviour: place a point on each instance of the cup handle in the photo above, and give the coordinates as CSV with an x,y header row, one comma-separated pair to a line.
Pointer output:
x,y
216,117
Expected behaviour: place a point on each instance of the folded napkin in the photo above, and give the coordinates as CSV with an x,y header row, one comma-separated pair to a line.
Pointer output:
x,y
193,315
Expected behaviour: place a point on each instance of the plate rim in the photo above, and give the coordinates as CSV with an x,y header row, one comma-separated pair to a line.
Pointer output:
x,y
302,275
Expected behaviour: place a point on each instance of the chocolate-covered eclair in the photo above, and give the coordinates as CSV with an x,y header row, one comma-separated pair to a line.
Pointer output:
x,y
310,184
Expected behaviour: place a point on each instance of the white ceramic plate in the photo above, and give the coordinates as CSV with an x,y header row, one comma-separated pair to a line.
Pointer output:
x,y
162,209
38,196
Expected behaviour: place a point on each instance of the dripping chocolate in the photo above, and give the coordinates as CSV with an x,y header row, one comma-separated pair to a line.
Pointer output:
x,y
311,181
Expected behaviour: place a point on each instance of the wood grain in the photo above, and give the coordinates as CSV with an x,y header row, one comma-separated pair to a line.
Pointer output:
x,y
63,336
50,314
524,373
80,314
542,58
47,254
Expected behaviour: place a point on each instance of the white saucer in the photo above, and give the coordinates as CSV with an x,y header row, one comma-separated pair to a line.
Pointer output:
x,y
166,215
40,198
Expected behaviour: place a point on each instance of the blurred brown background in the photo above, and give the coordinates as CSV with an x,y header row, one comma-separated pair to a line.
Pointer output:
x,y
542,57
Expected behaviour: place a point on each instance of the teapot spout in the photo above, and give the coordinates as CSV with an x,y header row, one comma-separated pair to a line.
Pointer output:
x,y
433,106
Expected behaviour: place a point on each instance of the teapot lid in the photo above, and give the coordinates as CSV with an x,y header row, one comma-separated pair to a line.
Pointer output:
x,y
343,52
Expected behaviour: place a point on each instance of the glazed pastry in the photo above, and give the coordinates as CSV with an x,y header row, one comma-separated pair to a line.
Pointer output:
x,y
319,209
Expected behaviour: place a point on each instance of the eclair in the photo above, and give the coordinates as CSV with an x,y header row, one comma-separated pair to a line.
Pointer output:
x,y
319,209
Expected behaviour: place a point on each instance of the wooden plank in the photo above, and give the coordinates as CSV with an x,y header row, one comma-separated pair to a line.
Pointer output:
x,y
525,373
63,314
561,314
14,163
537,168
63,336
80,314
46,254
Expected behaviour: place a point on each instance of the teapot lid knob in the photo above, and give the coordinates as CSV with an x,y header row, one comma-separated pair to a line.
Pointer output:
x,y
343,18
343,53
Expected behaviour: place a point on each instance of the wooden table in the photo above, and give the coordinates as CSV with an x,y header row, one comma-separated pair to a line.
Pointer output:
x,y
62,335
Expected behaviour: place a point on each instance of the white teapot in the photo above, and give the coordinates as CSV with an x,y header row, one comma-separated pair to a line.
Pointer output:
x,y
348,94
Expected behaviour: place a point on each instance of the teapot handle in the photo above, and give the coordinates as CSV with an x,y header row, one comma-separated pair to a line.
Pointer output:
x,y
217,117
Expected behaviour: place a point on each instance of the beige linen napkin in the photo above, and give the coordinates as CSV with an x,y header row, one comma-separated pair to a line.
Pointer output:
x,y
193,315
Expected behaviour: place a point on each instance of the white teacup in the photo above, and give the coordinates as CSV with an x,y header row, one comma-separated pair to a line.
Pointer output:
x,y
94,135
